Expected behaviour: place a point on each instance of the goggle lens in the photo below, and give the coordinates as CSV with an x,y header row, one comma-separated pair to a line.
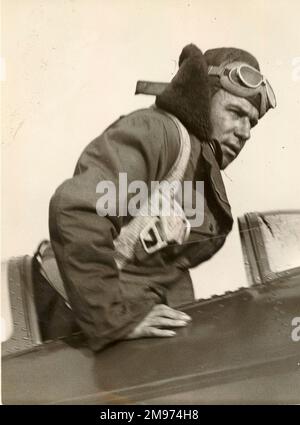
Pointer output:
x,y
250,77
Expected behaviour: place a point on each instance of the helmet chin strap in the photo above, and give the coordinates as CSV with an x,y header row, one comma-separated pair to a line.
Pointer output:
x,y
150,87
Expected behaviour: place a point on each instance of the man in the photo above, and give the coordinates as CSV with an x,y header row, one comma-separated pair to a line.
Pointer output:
x,y
217,97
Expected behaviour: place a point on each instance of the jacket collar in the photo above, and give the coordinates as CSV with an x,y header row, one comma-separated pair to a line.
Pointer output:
x,y
215,177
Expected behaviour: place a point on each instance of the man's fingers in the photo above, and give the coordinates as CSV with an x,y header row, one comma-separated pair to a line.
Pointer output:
x,y
156,332
149,332
164,322
161,316
171,313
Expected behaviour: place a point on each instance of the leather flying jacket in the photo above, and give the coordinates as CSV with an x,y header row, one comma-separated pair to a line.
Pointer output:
x,y
107,303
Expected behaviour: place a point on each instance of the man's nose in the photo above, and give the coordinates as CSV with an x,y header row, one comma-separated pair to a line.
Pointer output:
x,y
243,130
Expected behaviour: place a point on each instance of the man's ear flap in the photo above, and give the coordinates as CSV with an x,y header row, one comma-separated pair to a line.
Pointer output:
x,y
188,94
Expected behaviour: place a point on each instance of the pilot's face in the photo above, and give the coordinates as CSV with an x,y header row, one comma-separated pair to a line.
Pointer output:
x,y
232,118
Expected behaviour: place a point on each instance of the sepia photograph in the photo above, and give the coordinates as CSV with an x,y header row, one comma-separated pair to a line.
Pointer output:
x,y
150,191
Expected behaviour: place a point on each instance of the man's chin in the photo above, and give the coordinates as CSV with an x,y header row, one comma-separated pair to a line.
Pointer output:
x,y
228,157
226,162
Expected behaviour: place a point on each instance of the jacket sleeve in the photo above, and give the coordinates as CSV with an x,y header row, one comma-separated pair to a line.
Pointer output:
x,y
83,241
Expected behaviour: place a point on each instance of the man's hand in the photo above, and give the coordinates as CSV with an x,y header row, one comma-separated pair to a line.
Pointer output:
x,y
161,316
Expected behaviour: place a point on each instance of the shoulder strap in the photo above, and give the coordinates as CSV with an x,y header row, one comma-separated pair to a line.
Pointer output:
x,y
126,242
178,169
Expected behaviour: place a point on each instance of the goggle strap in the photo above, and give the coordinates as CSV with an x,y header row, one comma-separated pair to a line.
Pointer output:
x,y
215,70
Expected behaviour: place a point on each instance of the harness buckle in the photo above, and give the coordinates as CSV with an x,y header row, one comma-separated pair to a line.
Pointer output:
x,y
151,236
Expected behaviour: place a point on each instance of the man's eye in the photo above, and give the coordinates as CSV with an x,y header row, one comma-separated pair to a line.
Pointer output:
x,y
235,114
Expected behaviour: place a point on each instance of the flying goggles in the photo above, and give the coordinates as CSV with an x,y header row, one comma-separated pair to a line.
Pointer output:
x,y
243,80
